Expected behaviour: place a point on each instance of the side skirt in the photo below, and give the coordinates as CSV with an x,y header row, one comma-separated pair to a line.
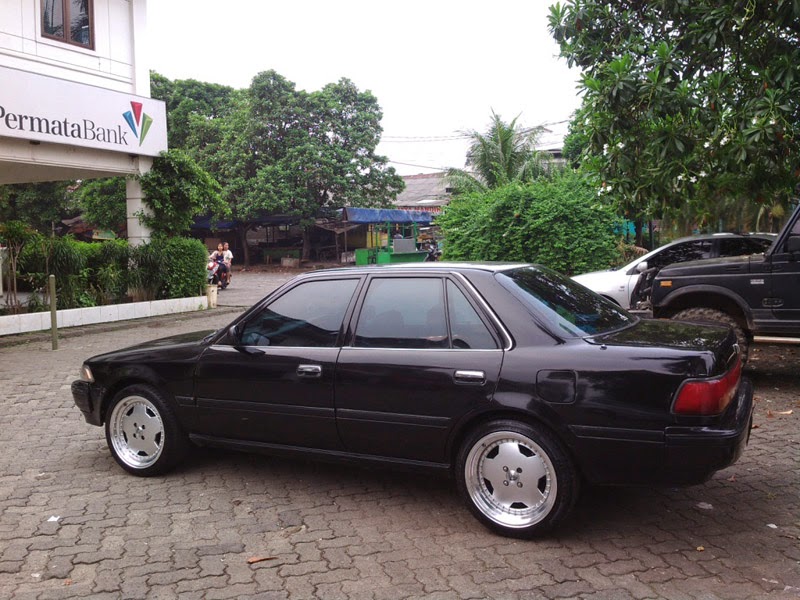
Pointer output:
x,y
322,455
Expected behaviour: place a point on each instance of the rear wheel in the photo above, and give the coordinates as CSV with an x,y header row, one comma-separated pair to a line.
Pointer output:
x,y
143,433
516,478
717,317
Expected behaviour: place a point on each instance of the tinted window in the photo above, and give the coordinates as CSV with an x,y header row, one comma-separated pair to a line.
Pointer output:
x,y
567,306
685,251
743,246
468,330
403,313
308,315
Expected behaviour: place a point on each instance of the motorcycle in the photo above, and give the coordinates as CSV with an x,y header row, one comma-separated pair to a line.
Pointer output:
x,y
215,276
433,252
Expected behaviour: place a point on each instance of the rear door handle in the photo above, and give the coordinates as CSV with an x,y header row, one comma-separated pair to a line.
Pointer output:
x,y
309,371
470,377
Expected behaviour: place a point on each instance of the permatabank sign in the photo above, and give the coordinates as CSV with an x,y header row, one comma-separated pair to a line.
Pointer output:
x,y
44,109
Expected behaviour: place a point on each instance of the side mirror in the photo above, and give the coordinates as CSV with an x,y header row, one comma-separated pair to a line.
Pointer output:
x,y
641,267
793,244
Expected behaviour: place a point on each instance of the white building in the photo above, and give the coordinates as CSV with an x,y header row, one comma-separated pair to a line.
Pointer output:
x,y
75,95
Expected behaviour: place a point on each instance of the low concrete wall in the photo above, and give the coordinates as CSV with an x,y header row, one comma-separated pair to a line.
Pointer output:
x,y
74,317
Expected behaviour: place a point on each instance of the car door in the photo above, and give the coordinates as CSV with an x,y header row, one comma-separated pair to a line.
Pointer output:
x,y
784,297
676,253
274,384
421,355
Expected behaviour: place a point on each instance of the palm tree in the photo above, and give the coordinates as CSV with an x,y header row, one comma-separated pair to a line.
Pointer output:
x,y
504,154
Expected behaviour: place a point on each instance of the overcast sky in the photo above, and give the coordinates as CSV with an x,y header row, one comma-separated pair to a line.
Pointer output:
x,y
437,67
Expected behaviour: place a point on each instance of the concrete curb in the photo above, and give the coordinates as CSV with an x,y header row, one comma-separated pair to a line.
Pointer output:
x,y
74,317
72,332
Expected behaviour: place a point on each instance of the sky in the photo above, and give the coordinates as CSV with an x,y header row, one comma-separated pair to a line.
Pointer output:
x,y
438,68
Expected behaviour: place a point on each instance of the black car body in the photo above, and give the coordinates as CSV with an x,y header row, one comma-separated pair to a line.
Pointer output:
x,y
447,367
758,296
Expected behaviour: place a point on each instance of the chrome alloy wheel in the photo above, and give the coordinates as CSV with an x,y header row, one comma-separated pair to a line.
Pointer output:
x,y
136,432
510,479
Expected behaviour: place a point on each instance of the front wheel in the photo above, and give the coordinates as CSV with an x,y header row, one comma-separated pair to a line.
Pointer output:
x,y
143,433
516,478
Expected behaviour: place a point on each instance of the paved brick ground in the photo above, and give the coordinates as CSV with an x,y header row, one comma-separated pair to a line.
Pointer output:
x,y
72,524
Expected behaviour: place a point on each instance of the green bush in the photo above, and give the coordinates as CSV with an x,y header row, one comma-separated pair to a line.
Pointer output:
x,y
558,222
169,268
66,258
97,273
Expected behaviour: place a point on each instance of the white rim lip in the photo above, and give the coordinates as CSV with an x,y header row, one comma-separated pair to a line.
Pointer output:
x,y
484,499
117,423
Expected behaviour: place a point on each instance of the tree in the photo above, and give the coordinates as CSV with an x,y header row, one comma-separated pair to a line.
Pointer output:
x,y
14,235
195,110
176,190
40,205
103,203
687,102
505,153
558,221
298,153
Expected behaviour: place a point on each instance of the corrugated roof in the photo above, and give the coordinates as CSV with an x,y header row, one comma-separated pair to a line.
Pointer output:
x,y
424,190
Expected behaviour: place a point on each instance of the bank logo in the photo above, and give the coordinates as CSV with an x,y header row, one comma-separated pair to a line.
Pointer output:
x,y
138,121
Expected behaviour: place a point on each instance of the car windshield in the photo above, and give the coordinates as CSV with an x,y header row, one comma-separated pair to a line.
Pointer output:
x,y
568,306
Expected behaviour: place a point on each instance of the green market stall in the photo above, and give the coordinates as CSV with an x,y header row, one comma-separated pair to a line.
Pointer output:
x,y
391,234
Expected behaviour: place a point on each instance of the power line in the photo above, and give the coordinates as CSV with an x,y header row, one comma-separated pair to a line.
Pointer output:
x,y
396,162
405,139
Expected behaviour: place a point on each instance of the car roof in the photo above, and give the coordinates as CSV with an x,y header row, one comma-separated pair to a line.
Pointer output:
x,y
721,234
422,267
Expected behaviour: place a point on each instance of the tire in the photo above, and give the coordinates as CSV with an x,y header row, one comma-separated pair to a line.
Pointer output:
x,y
516,478
143,433
717,317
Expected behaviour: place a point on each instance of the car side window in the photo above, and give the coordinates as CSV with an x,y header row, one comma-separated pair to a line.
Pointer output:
x,y
405,312
743,246
468,329
693,250
309,315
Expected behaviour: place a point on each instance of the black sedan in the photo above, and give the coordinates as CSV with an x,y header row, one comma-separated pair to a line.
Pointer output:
x,y
515,379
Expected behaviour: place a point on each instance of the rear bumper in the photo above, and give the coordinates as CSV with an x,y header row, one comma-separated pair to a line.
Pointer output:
x,y
698,452
673,456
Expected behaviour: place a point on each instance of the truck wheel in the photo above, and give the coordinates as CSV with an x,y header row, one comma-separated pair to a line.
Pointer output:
x,y
717,317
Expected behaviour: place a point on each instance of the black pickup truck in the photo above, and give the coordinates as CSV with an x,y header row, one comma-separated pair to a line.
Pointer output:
x,y
758,295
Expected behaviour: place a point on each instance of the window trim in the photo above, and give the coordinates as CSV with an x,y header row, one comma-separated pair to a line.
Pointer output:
x,y
485,313
65,38
279,293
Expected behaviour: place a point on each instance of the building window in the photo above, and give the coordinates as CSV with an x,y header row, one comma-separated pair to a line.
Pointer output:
x,y
69,21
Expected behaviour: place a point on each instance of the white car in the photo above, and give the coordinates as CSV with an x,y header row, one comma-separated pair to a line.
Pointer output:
x,y
618,284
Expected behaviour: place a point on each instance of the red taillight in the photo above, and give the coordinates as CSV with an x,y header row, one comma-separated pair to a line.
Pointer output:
x,y
708,396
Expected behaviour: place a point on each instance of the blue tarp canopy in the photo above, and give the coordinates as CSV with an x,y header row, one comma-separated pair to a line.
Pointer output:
x,y
386,215
261,219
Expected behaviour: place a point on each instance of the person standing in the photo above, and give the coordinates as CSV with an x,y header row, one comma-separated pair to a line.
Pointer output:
x,y
228,256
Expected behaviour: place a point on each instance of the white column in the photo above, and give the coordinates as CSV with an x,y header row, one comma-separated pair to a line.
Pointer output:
x,y
138,233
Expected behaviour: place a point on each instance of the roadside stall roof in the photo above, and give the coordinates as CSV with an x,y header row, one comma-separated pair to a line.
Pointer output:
x,y
261,219
385,215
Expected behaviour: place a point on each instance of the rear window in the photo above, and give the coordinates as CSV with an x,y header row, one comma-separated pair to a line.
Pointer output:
x,y
566,305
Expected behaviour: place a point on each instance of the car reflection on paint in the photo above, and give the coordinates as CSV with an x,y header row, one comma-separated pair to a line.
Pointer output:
x,y
514,379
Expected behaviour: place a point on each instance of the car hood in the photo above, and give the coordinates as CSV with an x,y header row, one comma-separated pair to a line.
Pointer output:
x,y
718,344
161,345
730,264
586,279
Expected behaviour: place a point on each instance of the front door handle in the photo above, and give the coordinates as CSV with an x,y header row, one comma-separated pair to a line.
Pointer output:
x,y
470,377
309,371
